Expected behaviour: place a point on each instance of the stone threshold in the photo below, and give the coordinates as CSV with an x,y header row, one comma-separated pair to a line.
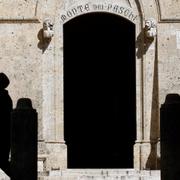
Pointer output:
x,y
102,174
97,174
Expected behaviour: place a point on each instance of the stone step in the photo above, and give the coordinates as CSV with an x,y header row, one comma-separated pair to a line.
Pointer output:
x,y
108,172
95,178
97,174
103,174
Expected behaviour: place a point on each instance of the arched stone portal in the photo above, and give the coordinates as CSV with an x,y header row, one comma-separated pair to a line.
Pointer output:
x,y
147,120
99,91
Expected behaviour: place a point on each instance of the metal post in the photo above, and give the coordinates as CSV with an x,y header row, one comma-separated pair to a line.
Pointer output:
x,y
170,138
24,141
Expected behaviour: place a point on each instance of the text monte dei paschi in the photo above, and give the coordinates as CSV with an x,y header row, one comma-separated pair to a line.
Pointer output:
x,y
86,8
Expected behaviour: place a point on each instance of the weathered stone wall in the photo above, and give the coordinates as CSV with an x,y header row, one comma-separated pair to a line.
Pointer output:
x,y
21,61
35,68
169,58
30,63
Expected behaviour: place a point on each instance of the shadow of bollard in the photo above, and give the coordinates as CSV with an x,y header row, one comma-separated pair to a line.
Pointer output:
x,y
24,141
170,138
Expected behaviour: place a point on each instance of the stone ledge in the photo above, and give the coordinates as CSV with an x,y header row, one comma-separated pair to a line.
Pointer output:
x,y
21,8
19,20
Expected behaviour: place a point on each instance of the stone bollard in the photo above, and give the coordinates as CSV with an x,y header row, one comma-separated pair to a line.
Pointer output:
x,y
170,138
24,141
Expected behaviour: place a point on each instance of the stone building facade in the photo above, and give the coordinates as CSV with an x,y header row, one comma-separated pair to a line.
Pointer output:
x,y
32,56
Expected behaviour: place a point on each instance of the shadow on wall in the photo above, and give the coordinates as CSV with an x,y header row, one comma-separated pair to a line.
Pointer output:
x,y
142,44
43,43
18,133
5,116
154,159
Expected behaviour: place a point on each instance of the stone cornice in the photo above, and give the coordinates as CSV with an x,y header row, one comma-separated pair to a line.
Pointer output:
x,y
19,20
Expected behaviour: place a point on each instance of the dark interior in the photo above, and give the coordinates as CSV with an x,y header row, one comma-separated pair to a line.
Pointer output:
x,y
99,91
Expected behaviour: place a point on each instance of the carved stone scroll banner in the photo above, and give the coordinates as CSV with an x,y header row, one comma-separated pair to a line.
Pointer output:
x,y
80,9
18,10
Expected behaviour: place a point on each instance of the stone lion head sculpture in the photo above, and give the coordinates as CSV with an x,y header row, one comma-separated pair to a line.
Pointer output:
x,y
150,28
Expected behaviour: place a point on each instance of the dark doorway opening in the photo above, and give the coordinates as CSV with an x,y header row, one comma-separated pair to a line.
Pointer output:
x,y
99,91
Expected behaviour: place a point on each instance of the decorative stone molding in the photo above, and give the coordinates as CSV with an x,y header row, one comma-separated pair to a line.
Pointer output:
x,y
168,11
48,31
22,10
19,20
150,28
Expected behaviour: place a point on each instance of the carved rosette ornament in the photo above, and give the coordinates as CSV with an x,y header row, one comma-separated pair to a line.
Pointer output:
x,y
48,31
150,28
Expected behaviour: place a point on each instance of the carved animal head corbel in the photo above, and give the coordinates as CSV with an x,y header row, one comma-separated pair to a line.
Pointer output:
x,y
150,28
48,31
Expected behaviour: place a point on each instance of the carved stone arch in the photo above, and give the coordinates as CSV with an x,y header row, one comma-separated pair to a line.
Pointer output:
x,y
55,134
